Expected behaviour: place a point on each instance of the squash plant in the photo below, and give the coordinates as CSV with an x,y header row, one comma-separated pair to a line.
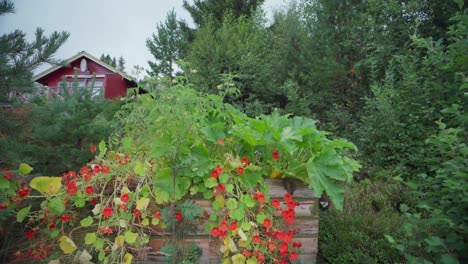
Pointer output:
x,y
175,145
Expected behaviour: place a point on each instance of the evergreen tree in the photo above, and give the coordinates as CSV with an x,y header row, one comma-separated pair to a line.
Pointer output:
x,y
166,46
112,61
215,10
121,66
18,58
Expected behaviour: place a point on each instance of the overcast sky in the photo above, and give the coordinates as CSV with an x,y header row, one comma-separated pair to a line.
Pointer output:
x,y
115,27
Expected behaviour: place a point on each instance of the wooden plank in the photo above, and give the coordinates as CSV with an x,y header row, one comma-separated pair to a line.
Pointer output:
x,y
306,259
305,208
277,190
306,226
307,253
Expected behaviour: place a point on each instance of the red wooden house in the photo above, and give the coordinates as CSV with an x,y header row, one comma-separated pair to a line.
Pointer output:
x,y
108,81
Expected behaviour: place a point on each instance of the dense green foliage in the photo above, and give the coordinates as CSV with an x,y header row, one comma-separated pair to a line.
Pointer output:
x,y
53,135
357,234
390,76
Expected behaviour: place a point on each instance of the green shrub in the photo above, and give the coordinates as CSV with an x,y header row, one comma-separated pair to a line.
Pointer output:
x,y
357,234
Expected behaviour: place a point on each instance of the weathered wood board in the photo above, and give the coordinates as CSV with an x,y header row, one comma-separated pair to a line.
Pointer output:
x,y
306,224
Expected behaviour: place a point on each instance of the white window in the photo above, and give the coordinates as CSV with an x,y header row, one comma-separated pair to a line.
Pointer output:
x,y
97,88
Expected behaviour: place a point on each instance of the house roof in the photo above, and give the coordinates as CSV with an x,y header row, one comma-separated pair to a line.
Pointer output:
x,y
77,56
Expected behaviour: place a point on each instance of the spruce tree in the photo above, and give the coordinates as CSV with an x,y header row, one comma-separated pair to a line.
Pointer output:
x,y
215,10
166,46
18,58
121,65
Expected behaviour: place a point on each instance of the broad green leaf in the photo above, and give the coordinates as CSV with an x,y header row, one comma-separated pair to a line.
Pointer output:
x,y
99,243
4,183
56,206
90,238
162,196
223,178
216,205
46,185
231,203
238,214
145,191
22,214
163,179
102,147
260,218
323,171
130,237
67,245
101,256
211,182
246,226
214,132
229,187
80,202
139,169
142,203
155,221
248,200
145,222
54,233
24,169
87,221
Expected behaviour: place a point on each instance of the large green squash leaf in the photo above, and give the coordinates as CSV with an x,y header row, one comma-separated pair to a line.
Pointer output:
x,y
323,170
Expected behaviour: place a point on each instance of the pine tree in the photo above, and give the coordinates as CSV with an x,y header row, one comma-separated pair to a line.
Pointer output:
x,y
18,58
166,46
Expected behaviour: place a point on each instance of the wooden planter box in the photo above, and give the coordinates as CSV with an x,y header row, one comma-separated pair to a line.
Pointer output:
x,y
307,225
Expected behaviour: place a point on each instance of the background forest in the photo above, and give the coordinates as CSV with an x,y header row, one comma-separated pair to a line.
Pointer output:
x,y
390,76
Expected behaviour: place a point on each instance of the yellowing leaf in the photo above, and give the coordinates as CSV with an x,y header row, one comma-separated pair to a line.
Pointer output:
x,y
97,209
24,169
242,234
85,257
119,241
252,261
238,259
128,258
232,245
142,204
275,174
67,245
46,185
220,200
145,222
